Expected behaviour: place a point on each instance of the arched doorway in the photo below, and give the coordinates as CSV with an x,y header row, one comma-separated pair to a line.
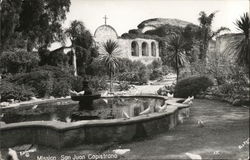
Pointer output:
x,y
134,49
153,49
144,49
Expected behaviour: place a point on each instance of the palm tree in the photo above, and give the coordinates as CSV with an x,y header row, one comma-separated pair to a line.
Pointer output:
x,y
241,47
205,32
177,57
110,49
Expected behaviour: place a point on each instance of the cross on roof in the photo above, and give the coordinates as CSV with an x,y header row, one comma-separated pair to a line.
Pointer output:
x,y
105,18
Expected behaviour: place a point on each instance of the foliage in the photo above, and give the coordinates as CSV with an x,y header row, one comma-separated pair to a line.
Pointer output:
x,y
166,70
110,49
226,88
82,46
16,92
40,81
165,90
76,83
39,21
241,48
61,88
18,61
98,83
134,31
53,58
132,71
135,35
192,86
155,69
124,86
205,33
156,64
44,81
155,74
10,11
177,57
165,30
96,68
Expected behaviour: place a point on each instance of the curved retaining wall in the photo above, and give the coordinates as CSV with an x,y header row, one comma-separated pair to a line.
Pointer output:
x,y
59,134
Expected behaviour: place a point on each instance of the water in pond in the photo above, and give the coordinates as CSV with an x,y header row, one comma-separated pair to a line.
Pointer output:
x,y
109,108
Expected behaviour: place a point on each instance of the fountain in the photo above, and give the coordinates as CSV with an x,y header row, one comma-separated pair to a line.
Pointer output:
x,y
85,104
89,118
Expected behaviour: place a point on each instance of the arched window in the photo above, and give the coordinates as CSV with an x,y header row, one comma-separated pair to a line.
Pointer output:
x,y
134,49
144,49
153,49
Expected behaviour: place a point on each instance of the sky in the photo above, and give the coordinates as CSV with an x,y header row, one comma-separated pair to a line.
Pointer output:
x,y
124,15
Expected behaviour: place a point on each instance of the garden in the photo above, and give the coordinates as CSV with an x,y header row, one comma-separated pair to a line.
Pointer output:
x,y
219,82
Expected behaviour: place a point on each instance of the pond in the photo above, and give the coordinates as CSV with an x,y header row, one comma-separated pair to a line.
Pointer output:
x,y
67,110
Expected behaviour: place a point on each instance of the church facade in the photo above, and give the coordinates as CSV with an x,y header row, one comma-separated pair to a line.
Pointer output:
x,y
140,49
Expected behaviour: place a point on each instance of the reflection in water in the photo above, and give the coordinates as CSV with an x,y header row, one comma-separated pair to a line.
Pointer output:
x,y
68,119
125,114
54,117
108,108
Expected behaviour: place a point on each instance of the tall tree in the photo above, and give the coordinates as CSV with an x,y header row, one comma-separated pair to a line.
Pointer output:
x,y
9,14
177,57
241,47
39,21
82,46
205,33
110,49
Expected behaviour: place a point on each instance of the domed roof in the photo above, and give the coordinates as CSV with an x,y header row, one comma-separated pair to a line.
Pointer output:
x,y
105,32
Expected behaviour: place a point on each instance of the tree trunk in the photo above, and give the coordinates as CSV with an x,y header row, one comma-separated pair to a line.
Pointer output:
x,y
110,81
74,61
177,67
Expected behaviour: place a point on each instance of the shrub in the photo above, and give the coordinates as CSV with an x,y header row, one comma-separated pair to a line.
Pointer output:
x,y
16,92
58,82
156,64
155,74
142,75
124,86
96,68
126,76
132,71
61,88
98,83
192,86
40,81
19,61
165,90
76,83
166,70
45,80
226,88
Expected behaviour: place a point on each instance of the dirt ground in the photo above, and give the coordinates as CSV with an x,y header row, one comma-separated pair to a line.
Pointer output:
x,y
225,135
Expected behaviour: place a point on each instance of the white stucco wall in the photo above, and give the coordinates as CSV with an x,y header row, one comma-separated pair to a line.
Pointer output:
x,y
106,32
126,49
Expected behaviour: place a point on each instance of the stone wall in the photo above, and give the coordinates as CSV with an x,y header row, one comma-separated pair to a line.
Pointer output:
x,y
59,134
